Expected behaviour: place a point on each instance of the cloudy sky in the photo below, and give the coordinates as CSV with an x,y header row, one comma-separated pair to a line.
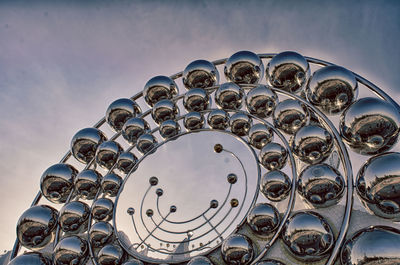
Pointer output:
x,y
62,63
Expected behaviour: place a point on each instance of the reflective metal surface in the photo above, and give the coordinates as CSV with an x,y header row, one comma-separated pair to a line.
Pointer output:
x,y
102,209
196,99
240,123
73,217
158,88
120,111
126,161
290,115
244,67
110,255
229,96
260,135
218,119
193,121
110,184
261,101
164,110
275,185
100,234
70,250
107,154
273,156
263,219
134,128
200,74
199,260
145,143
87,183
31,258
237,250
169,128
85,142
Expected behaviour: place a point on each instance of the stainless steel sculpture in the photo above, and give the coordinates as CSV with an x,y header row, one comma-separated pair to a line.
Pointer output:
x,y
288,196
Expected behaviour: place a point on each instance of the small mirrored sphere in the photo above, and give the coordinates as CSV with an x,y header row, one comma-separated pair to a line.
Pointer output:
x,y
87,183
164,110
321,185
370,126
237,250
196,99
100,234
378,185
133,262
36,226
31,258
110,254
270,262
273,156
332,89
290,115
85,142
263,219
200,74
261,101
110,184
240,123
288,71
159,88
218,119
229,96
120,111
244,67
308,236
260,135
200,260
312,144
57,181
169,128
193,121
107,154
73,217
372,246
126,161
102,209
275,185
146,143
134,128
70,250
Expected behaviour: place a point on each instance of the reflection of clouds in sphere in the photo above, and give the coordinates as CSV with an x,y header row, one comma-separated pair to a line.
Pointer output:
x,y
200,74
261,101
273,156
126,161
74,217
110,184
229,96
70,250
107,154
102,209
196,99
30,258
240,123
87,183
218,119
237,250
120,111
164,110
263,219
85,142
110,254
260,135
193,121
100,234
159,88
290,115
275,185
244,67
169,128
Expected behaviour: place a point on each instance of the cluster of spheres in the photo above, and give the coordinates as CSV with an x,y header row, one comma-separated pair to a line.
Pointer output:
x,y
282,106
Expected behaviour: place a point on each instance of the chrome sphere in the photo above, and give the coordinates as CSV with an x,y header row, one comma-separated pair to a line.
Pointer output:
x,y
107,154
260,135
261,101
145,143
164,110
332,89
288,71
218,119
110,255
110,184
290,115
87,184
169,128
372,245
85,142
263,219
229,96
158,88
237,250
193,121
200,74
196,99
100,234
240,123
126,161
70,250
133,262
244,67
102,209
200,260
73,217
321,185
36,226
270,262
275,185
120,111
378,185
370,126
31,258
308,236
134,128
57,181
312,144
273,156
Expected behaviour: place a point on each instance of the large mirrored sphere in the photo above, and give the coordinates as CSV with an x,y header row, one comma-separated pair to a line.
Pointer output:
x,y
218,119
31,258
260,135
164,110
110,184
378,185
240,123
133,262
237,250
312,144
244,67
199,260
288,71
73,217
261,101
273,156
169,128
193,121
134,128
126,161
158,88
275,185
370,126
372,246
308,236
120,111
107,154
321,185
290,115
57,181
196,99
36,226
70,250
229,96
100,234
332,89
102,209
200,74
270,262
87,183
85,142
263,219
110,255
145,143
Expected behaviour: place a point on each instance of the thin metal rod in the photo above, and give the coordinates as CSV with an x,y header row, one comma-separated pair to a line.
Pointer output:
x,y
213,227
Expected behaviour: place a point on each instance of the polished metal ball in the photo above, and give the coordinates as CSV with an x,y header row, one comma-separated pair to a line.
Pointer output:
x,y
102,209
110,184
134,128
87,183
169,128
270,262
100,234
275,185
332,89
73,217
261,101
370,126
229,96
213,204
31,258
237,250
290,115
312,144
193,121
85,142
107,154
321,185
145,143
159,88
196,99
133,262
240,123
263,219
260,135
110,254
200,260
232,178
308,236
372,245
57,181
378,185
70,250
120,111
164,110
244,67
273,156
200,74
36,226
126,161
218,119
288,71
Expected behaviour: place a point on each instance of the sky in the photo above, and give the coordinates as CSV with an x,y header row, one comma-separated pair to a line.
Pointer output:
x,y
63,62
